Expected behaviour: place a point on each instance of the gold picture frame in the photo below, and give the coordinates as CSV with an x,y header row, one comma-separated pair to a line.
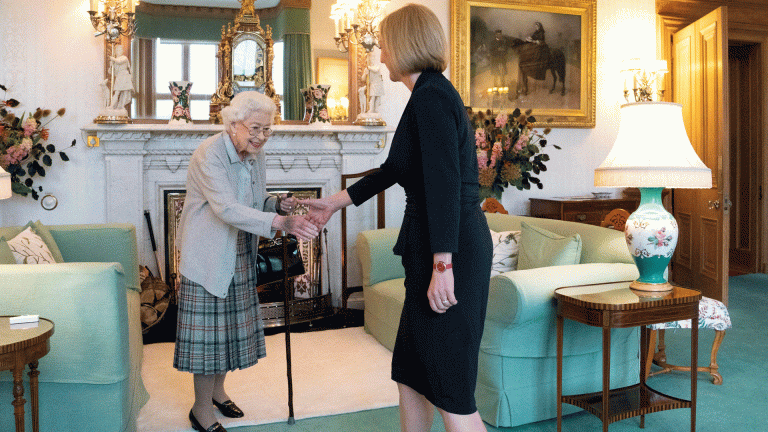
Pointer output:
x,y
501,50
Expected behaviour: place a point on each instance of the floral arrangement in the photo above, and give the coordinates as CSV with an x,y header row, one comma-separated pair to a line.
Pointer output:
x,y
509,151
23,152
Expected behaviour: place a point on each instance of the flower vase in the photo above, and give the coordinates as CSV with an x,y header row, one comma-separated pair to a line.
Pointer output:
x,y
309,101
320,115
180,94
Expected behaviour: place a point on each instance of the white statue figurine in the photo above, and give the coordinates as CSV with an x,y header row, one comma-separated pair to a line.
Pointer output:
x,y
375,86
122,86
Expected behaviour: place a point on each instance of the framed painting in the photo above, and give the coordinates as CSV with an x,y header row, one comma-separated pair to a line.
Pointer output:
x,y
527,54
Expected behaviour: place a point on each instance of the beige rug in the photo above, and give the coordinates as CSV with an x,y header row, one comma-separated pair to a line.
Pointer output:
x,y
334,372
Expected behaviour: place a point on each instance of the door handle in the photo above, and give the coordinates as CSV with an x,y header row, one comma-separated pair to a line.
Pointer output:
x,y
714,205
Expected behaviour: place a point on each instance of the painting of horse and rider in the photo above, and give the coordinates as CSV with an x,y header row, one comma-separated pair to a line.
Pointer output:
x,y
520,57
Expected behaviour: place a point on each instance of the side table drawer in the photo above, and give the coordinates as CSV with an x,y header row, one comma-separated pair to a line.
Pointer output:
x,y
591,217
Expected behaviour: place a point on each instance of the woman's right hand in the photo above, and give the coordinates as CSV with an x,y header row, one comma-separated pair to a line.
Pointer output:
x,y
321,209
298,225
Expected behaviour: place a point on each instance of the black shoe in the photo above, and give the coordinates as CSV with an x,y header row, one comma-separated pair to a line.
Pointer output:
x,y
216,427
229,409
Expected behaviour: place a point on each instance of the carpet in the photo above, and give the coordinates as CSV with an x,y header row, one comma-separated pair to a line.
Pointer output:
x,y
334,372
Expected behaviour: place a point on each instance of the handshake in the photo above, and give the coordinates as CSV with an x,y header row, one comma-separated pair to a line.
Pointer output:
x,y
307,226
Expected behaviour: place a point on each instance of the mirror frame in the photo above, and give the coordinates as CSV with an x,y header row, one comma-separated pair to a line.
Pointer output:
x,y
247,26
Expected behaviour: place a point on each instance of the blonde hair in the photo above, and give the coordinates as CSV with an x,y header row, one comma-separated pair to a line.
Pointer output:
x,y
414,39
244,104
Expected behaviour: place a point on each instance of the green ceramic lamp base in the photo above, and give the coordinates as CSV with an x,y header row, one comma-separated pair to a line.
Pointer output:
x,y
651,233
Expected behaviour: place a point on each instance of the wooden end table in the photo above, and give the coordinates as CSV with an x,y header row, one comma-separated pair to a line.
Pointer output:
x,y
615,305
19,347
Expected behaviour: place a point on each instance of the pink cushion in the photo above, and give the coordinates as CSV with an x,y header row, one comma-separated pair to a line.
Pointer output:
x,y
712,315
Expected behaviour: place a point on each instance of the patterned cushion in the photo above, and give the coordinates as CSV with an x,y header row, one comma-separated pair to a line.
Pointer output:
x,y
29,248
505,249
712,315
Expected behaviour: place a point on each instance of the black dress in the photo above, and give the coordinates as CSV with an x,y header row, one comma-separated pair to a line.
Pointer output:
x,y
433,158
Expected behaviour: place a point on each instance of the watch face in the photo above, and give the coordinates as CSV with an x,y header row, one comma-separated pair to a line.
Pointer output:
x,y
440,266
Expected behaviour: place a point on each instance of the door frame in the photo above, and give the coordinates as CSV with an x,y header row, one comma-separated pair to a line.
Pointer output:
x,y
669,23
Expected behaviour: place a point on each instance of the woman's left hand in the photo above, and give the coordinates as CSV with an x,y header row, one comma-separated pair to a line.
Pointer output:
x,y
287,204
440,292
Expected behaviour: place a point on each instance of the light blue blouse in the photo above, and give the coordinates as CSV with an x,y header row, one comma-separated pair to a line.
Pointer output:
x,y
224,195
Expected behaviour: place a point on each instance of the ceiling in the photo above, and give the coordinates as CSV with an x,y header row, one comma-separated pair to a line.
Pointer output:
x,y
234,4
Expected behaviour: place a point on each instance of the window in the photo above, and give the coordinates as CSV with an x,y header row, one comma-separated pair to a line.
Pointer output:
x,y
175,61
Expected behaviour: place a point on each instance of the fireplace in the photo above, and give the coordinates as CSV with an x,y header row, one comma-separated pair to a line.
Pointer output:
x,y
143,161
308,300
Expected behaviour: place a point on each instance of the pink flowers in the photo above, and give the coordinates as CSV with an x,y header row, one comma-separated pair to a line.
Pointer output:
x,y
480,139
30,125
14,155
501,119
482,159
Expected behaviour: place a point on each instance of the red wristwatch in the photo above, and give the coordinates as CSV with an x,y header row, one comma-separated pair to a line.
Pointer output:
x,y
441,266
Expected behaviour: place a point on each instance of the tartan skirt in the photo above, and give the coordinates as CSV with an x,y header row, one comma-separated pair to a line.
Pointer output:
x,y
216,335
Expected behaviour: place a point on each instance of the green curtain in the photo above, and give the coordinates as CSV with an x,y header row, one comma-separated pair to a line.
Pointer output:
x,y
297,73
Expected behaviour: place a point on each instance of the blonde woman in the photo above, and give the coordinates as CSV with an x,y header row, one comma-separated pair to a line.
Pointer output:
x,y
444,241
225,210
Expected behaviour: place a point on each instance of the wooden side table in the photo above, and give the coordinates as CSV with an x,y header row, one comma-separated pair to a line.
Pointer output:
x,y
615,305
585,210
19,347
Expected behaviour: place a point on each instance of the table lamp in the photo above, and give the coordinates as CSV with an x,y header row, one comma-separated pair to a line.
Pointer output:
x,y
5,184
652,152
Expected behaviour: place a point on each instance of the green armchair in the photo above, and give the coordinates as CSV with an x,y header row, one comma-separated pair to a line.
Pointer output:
x,y
91,378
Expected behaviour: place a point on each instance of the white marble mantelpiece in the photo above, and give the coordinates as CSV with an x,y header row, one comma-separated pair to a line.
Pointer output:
x,y
143,160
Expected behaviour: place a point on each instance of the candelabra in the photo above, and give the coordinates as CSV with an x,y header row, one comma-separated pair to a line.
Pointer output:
x,y
357,22
647,79
114,19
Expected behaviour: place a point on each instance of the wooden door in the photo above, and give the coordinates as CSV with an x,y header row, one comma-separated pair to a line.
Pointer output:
x,y
746,137
699,81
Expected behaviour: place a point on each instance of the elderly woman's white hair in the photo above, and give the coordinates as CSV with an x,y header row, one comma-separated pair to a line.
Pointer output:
x,y
245,104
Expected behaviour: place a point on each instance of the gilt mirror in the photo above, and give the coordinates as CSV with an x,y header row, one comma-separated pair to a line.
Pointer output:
x,y
248,63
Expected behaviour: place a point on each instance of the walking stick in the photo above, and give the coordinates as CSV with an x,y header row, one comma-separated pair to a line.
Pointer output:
x,y
287,315
154,245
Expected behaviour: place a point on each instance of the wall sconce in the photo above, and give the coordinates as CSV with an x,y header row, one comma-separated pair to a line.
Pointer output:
x,y
647,78
114,19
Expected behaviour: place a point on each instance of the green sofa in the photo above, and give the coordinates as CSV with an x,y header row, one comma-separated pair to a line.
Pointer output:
x,y
517,381
91,378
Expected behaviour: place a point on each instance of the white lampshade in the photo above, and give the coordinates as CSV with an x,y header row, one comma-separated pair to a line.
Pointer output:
x,y
5,184
653,150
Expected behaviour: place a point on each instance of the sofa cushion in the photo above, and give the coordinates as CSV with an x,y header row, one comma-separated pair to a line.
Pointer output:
x,y
28,248
543,248
505,250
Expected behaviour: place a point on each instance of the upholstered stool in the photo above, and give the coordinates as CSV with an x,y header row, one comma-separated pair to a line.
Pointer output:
x,y
712,315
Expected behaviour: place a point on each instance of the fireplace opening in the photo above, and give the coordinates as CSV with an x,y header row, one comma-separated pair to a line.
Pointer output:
x,y
308,301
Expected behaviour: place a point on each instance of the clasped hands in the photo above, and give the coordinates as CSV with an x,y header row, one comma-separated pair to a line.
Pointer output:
x,y
440,294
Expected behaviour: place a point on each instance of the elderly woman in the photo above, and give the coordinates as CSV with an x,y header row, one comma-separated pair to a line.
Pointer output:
x,y
226,209
444,241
